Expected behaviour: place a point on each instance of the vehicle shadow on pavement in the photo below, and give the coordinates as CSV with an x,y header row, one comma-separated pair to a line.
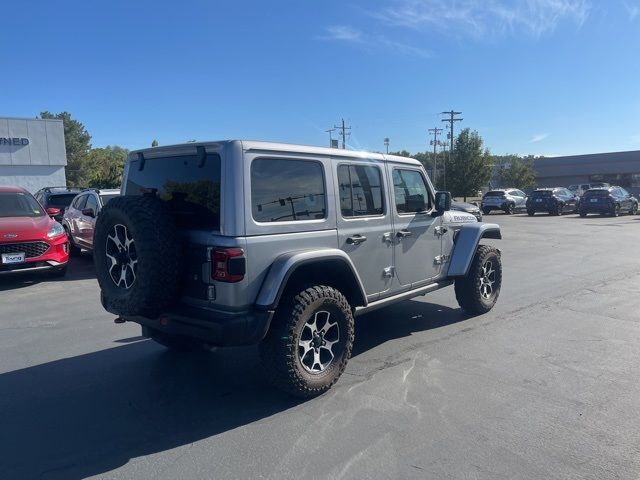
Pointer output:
x,y
80,268
90,414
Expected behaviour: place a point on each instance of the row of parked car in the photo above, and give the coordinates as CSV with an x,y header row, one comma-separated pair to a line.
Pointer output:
x,y
39,232
603,199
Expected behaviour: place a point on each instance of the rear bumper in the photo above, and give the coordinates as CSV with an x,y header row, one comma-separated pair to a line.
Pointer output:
x,y
213,327
56,257
595,208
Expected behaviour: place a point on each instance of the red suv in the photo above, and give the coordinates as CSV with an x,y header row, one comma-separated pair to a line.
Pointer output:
x,y
29,239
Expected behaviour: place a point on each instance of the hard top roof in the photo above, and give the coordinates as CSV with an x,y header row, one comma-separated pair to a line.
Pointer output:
x,y
260,146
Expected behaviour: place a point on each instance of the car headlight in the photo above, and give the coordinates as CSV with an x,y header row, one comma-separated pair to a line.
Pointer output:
x,y
55,231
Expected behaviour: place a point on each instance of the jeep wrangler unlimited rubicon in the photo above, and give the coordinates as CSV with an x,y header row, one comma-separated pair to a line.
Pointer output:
x,y
235,242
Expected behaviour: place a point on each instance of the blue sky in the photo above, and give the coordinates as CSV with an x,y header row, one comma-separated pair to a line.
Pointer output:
x,y
548,77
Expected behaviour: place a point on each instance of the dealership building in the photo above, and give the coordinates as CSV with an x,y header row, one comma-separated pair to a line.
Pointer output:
x,y
616,168
32,153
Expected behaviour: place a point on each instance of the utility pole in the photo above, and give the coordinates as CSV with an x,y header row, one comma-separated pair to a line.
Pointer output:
x,y
436,131
344,133
329,131
452,119
386,143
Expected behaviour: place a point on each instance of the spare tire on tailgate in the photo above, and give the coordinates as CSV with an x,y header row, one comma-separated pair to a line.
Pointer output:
x,y
137,256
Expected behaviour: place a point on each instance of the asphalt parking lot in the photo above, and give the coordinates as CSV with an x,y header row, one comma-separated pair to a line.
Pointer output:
x,y
544,386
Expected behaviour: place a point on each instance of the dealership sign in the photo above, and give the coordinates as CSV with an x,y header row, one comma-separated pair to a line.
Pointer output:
x,y
17,141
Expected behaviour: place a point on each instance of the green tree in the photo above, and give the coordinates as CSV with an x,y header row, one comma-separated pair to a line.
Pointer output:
x,y
78,143
154,143
516,172
401,153
470,166
106,166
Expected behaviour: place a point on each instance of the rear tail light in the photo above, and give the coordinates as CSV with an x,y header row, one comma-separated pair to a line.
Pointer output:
x,y
228,264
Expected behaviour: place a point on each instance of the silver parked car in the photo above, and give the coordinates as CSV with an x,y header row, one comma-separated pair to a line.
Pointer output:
x,y
509,200
79,218
234,242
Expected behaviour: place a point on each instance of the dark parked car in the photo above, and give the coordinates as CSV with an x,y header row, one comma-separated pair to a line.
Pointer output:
x,y
555,201
56,197
608,201
467,207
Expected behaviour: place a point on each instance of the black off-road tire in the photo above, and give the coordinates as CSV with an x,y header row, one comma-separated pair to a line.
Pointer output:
x,y
175,343
158,251
280,352
468,289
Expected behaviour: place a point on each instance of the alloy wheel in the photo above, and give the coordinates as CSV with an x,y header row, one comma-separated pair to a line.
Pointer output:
x,y
317,340
487,280
122,257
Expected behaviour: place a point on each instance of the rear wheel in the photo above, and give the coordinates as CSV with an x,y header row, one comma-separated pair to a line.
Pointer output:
x,y
309,343
615,210
486,211
559,210
478,292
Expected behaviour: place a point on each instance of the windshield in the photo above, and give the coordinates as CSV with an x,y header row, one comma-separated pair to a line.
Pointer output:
x,y
61,201
19,204
105,198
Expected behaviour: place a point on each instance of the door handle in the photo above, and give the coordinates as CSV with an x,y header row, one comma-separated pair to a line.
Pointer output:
x,y
403,233
356,239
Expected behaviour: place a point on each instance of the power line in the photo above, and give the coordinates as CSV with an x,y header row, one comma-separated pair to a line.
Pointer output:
x,y
343,132
435,142
452,119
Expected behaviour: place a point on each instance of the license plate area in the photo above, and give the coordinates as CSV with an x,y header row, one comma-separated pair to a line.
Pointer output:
x,y
594,200
13,258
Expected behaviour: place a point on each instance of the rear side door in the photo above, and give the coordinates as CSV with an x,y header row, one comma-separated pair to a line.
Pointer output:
x,y
364,223
417,246
73,216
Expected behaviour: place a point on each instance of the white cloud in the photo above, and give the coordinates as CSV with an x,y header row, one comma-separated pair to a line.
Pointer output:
x,y
343,33
479,18
539,137
346,33
633,9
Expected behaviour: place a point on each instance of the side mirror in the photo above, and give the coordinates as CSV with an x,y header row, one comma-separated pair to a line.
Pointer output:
x,y
53,211
88,212
443,203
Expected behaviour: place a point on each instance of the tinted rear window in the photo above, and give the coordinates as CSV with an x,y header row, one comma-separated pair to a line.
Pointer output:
x,y
494,194
287,190
189,184
63,200
542,193
597,193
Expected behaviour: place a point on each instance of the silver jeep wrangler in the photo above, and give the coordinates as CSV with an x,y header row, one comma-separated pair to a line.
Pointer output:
x,y
235,242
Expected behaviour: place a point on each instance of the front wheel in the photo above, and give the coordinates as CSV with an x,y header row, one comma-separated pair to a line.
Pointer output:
x,y
510,209
583,213
486,211
309,343
634,209
531,213
615,210
478,291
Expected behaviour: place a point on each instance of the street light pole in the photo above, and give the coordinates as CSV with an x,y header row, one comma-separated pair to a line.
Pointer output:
x,y
386,143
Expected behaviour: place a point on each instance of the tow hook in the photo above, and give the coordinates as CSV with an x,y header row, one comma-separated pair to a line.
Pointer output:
x,y
119,320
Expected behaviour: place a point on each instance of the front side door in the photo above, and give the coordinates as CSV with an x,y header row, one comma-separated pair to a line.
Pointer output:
x,y
364,223
417,245
86,222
